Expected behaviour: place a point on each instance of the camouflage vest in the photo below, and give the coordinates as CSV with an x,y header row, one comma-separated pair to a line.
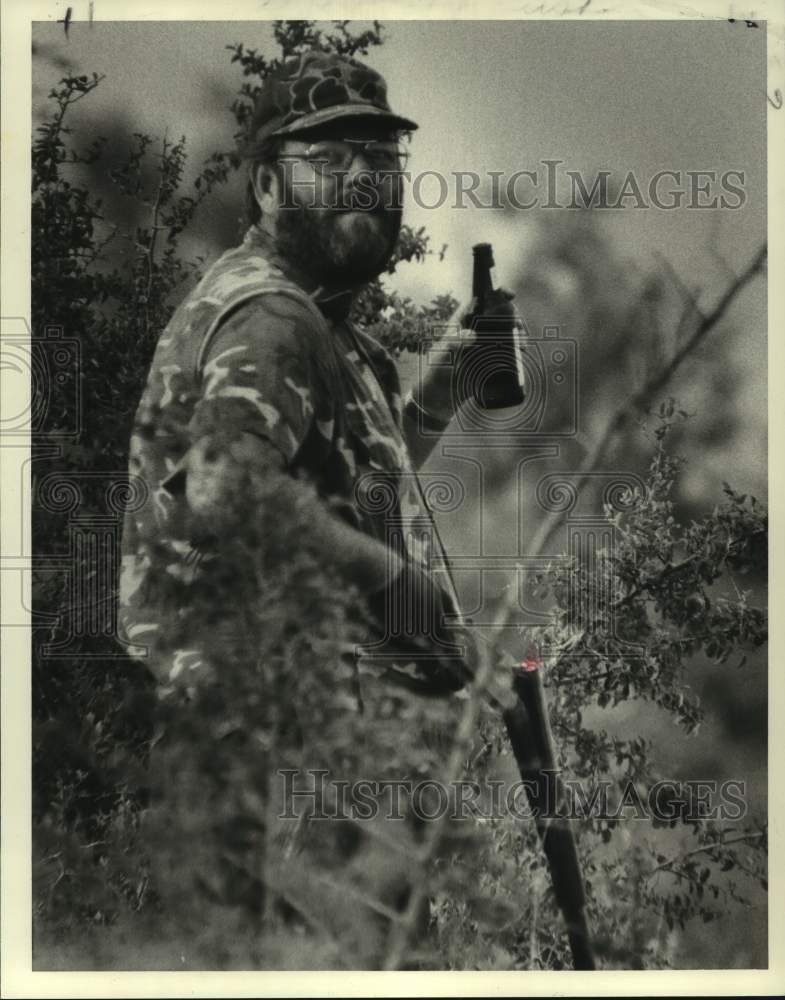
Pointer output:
x,y
346,457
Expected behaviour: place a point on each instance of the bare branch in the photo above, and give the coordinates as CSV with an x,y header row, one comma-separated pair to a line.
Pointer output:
x,y
686,293
658,381
637,404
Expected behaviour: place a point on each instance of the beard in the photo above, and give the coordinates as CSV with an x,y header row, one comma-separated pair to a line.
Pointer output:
x,y
337,246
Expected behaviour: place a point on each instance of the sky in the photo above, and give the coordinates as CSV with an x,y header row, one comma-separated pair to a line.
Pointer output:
x,y
488,95
495,96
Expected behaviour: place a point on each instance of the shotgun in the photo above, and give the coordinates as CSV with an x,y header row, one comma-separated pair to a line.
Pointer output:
x,y
529,730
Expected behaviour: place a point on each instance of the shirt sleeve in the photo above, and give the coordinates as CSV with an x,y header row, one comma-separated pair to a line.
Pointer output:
x,y
266,372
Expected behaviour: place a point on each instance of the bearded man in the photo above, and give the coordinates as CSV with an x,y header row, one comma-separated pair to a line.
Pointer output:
x,y
266,372
264,347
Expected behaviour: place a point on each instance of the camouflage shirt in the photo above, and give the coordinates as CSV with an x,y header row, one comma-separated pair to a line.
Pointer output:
x,y
253,349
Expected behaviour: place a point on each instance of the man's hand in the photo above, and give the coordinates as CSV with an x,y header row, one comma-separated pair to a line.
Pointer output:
x,y
449,384
226,475
452,369
411,612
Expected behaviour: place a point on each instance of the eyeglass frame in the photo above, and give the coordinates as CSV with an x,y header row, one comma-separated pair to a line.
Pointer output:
x,y
322,167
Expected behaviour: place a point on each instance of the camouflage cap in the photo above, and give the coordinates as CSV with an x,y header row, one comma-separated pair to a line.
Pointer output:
x,y
317,87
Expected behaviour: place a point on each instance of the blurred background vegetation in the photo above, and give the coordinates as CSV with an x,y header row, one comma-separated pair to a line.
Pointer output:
x,y
597,96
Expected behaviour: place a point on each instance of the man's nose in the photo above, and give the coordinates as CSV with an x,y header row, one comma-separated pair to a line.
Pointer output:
x,y
360,165
365,176
359,178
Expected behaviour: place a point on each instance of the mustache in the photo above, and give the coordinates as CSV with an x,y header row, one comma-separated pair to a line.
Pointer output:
x,y
362,202
376,199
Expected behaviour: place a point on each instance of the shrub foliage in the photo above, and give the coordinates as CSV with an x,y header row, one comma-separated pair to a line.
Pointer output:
x,y
156,841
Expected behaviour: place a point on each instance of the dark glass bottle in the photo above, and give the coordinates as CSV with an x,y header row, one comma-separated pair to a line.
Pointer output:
x,y
495,367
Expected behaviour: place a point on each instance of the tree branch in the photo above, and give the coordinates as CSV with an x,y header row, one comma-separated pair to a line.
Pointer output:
x,y
672,568
637,404
154,228
641,399
743,838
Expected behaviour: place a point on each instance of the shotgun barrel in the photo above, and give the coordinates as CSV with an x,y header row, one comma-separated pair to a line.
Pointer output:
x,y
528,727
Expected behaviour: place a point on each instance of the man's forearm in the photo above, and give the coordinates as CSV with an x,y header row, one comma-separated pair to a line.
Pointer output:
x,y
251,467
369,562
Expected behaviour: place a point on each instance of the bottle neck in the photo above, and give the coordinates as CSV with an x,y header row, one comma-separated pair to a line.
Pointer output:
x,y
482,278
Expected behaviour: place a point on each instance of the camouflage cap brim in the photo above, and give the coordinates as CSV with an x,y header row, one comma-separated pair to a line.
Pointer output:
x,y
324,115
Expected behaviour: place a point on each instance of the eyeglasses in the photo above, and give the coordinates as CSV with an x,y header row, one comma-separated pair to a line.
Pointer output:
x,y
335,155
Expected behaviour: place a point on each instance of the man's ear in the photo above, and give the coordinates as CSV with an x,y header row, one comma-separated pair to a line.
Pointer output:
x,y
264,179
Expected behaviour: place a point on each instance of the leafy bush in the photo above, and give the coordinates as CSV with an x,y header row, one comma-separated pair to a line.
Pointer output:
x,y
664,603
155,840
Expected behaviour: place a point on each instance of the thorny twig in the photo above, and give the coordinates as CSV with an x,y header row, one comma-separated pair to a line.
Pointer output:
x,y
742,838
638,403
154,228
